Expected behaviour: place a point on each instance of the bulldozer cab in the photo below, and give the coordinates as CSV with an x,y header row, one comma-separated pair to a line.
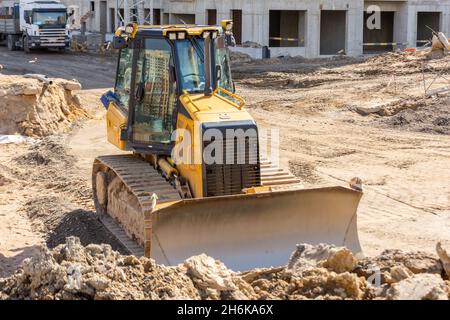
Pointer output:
x,y
156,66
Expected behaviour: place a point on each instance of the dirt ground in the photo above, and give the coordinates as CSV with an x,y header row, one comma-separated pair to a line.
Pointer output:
x,y
403,159
402,153
94,71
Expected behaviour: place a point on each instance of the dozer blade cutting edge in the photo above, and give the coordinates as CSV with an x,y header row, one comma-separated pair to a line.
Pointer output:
x,y
254,230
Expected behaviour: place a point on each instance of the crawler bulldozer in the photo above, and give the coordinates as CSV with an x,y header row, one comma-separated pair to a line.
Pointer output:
x,y
193,178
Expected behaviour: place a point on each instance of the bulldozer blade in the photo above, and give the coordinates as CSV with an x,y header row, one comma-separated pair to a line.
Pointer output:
x,y
255,230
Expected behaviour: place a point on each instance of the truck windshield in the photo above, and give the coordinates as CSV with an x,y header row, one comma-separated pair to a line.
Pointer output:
x,y
49,18
192,67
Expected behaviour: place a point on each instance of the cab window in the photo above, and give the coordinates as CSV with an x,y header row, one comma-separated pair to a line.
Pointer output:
x,y
123,82
155,93
223,60
192,66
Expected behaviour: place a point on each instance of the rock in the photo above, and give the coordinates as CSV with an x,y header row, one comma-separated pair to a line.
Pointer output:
x,y
399,273
444,257
131,261
209,273
306,256
72,85
419,287
73,251
99,283
338,259
31,90
366,110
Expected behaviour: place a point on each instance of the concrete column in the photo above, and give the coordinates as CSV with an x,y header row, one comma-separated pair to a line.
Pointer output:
x,y
445,21
108,19
223,10
247,26
405,23
262,28
200,18
312,34
354,30
411,33
254,27
96,25
200,12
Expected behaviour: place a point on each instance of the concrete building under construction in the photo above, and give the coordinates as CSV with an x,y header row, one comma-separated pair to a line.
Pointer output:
x,y
308,28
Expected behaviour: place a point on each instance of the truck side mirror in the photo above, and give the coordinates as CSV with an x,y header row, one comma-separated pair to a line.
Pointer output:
x,y
119,42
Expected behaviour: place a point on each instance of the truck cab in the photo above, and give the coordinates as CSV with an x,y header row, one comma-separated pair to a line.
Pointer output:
x,y
34,24
43,24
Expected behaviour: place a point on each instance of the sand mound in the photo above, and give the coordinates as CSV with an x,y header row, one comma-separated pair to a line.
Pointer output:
x,y
32,107
65,207
71,271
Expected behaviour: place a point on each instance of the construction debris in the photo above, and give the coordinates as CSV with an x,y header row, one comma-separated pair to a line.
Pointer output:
x,y
71,271
440,46
420,287
335,259
11,138
34,105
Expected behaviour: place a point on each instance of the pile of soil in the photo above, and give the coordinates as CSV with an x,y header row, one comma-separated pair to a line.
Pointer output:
x,y
32,107
66,207
48,164
71,271
422,115
239,57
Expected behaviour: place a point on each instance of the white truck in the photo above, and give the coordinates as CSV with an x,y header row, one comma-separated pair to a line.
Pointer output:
x,y
34,24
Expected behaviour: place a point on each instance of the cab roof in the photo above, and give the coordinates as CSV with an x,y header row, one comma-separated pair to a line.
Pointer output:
x,y
190,29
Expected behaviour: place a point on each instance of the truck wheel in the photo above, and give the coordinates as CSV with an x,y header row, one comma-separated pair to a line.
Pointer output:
x,y
26,45
12,42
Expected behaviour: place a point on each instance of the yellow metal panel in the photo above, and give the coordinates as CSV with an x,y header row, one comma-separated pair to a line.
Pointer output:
x,y
116,120
214,108
191,170
255,230
202,109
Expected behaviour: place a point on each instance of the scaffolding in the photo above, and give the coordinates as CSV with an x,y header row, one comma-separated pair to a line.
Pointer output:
x,y
139,11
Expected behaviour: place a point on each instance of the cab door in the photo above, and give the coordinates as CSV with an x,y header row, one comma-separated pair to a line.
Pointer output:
x,y
152,118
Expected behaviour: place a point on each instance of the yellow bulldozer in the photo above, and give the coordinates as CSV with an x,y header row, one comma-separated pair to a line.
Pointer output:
x,y
193,180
